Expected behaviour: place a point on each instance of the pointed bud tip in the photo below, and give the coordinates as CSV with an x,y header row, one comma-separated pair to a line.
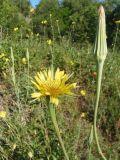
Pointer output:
x,y
101,11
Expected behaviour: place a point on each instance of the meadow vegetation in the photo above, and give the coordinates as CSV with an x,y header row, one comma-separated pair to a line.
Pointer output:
x,y
32,39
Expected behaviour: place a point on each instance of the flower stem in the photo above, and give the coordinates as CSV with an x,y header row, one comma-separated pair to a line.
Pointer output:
x,y
53,117
116,35
99,78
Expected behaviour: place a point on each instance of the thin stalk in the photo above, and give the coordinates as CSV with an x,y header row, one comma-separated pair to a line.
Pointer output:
x,y
14,78
89,154
28,70
52,28
44,30
59,30
90,143
53,117
99,78
116,35
52,61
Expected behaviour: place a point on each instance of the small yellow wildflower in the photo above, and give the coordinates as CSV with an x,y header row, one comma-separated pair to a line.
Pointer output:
x,y
2,114
56,86
24,61
117,22
31,33
14,146
83,114
6,59
83,92
49,42
16,29
2,55
30,154
45,22
72,63
32,10
50,15
37,34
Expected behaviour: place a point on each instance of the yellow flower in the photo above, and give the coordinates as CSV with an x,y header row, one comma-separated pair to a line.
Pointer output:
x,y
50,15
16,29
30,154
72,63
45,22
117,22
14,146
83,114
83,92
37,34
2,55
24,61
52,86
49,42
2,114
32,10
6,59
31,33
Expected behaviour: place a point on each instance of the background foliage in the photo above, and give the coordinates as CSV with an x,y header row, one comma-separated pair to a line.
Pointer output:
x,y
75,19
71,25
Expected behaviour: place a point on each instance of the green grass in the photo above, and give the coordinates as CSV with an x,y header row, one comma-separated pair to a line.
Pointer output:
x,y
28,123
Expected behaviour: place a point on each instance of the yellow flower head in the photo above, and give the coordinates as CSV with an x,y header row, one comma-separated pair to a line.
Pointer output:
x,y
83,114
49,42
14,146
37,34
83,92
72,63
30,154
2,55
6,59
24,61
32,10
2,114
16,29
31,33
117,22
51,85
45,21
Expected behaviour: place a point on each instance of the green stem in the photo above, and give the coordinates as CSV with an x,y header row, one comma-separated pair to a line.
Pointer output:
x,y
53,117
99,78
116,35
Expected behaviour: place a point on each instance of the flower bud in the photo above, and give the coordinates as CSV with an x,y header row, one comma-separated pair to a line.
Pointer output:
x,y
100,49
